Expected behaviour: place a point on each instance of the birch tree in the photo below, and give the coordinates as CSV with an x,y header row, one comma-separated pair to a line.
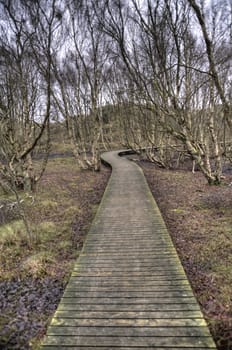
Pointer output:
x,y
27,33
80,93
166,61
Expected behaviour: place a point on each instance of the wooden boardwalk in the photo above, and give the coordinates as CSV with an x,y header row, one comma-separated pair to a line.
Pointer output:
x,y
128,289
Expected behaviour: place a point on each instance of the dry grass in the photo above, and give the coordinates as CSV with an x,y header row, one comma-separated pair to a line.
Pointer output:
x,y
199,218
35,274
63,199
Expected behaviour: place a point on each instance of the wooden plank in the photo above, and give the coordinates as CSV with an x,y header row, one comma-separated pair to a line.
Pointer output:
x,y
125,274
103,240
145,259
110,256
101,263
141,239
130,281
116,322
107,238
130,331
128,314
128,301
125,307
116,347
129,246
114,271
129,341
126,267
130,284
132,252
130,266
72,287
116,294
136,271
161,270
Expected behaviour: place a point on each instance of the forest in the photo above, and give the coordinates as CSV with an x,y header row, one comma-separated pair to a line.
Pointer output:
x,y
80,77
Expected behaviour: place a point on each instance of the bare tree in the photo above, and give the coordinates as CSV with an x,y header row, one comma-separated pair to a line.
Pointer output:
x,y
27,35
165,61
81,82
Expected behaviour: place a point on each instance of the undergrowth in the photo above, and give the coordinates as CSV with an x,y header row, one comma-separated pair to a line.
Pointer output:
x,y
199,218
35,272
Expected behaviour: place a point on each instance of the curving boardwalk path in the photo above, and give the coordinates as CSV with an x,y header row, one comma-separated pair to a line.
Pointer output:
x,y
128,289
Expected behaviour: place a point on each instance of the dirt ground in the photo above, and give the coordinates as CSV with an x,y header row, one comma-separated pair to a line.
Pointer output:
x,y
199,219
33,278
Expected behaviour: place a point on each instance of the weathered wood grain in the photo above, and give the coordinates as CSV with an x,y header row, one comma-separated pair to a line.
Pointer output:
x,y
130,331
94,341
88,322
